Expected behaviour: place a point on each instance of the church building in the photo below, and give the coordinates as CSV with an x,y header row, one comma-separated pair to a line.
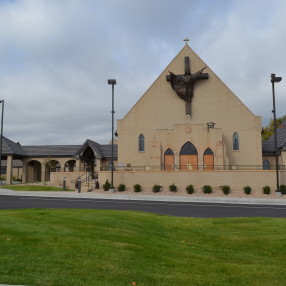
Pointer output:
x,y
189,120
187,128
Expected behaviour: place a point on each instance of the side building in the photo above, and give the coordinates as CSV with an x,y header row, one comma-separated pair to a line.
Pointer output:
x,y
36,163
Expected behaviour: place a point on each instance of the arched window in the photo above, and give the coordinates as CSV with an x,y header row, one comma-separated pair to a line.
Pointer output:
x,y
266,164
141,143
188,149
235,141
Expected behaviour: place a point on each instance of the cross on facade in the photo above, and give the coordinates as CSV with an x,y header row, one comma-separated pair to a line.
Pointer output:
x,y
186,40
183,85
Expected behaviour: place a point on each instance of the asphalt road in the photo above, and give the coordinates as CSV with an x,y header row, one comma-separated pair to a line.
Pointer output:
x,y
180,209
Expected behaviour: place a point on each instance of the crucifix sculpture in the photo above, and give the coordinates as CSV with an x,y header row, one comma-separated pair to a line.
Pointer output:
x,y
183,85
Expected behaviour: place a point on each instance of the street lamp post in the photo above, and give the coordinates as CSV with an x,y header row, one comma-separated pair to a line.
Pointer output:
x,y
273,80
1,139
112,82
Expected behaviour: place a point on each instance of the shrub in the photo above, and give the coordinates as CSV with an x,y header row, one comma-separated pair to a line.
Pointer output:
x,y
266,190
173,188
283,189
137,188
156,188
121,188
207,189
247,190
106,186
225,189
190,189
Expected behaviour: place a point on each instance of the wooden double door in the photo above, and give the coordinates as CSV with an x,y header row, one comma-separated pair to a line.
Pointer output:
x,y
188,158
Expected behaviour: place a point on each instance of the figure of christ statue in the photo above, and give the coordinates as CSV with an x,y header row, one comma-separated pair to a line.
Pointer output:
x,y
183,85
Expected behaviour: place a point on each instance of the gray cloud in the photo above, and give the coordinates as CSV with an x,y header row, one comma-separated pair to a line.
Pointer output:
x,y
56,57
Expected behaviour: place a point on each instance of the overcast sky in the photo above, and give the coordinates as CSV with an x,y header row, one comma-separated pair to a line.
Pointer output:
x,y
56,57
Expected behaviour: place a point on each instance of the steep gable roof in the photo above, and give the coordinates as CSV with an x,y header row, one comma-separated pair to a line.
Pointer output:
x,y
101,151
11,148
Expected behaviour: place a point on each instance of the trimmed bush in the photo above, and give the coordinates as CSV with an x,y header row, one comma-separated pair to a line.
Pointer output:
x,y
225,189
207,189
190,189
283,189
247,190
121,188
106,186
137,188
156,188
173,188
266,190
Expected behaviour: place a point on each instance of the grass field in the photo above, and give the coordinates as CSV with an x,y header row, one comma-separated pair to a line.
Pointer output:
x,y
97,247
33,188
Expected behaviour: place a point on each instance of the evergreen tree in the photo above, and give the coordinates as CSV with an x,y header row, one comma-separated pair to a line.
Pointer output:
x,y
269,129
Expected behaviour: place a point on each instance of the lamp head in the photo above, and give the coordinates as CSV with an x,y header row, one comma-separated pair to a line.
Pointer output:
x,y
275,78
112,81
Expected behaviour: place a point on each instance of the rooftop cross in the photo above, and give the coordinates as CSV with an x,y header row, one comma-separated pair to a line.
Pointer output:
x,y
186,40
183,85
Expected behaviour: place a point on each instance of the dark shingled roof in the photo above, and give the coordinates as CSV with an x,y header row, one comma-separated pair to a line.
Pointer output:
x,y
11,148
51,150
102,151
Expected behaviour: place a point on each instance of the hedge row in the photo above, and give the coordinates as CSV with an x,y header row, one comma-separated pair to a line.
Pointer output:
x,y
207,189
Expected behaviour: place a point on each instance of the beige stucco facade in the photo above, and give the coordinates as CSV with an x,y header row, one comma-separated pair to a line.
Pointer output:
x,y
160,116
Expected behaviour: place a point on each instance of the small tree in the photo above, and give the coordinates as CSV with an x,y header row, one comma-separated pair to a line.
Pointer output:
x,y
283,189
106,186
121,188
207,189
173,188
225,189
156,188
247,190
137,188
190,189
266,190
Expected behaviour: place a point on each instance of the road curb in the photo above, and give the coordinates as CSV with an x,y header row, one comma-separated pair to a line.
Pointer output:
x,y
115,196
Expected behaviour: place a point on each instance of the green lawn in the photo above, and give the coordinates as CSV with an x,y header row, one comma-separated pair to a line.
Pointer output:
x,y
101,247
33,188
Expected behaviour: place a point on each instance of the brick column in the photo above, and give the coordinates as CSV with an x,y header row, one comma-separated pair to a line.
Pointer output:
x,y
9,173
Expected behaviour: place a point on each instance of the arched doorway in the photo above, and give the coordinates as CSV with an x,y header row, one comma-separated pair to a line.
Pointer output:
x,y
51,166
89,160
33,171
208,159
188,157
169,160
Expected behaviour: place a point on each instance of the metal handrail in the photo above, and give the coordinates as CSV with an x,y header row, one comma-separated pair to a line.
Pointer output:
x,y
190,167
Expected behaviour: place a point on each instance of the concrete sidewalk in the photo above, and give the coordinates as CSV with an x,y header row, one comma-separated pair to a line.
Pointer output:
x,y
173,198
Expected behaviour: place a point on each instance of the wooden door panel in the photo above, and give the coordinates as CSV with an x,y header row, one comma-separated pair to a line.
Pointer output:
x,y
209,162
169,162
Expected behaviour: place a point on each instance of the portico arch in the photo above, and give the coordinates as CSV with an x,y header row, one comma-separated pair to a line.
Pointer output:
x,y
51,166
188,157
69,166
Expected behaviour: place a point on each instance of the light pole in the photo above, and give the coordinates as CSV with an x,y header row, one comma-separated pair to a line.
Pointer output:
x,y
2,116
273,80
112,82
